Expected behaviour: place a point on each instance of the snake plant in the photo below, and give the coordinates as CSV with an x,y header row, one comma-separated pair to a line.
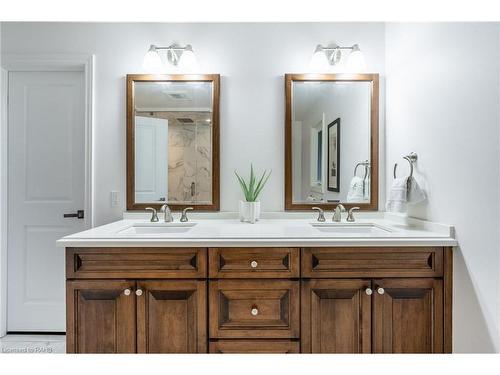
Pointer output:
x,y
252,187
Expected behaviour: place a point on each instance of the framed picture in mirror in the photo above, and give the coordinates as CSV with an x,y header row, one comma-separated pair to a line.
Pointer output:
x,y
326,163
333,155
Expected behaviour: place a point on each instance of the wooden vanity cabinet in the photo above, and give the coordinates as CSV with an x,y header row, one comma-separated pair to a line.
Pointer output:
x,y
379,316
157,305
259,300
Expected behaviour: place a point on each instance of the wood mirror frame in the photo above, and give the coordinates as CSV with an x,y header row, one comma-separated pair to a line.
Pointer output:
x,y
131,79
374,115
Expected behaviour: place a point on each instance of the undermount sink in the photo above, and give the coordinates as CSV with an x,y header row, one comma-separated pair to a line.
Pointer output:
x,y
351,228
158,228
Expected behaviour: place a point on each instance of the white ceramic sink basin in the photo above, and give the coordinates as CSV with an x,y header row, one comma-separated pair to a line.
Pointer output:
x,y
369,229
157,228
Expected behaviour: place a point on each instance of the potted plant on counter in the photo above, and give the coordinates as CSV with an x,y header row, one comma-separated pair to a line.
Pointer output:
x,y
250,207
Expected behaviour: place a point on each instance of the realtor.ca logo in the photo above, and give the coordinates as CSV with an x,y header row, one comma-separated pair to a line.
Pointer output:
x,y
29,350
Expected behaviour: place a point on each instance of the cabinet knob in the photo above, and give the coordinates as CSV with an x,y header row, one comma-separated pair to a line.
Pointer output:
x,y
254,311
126,292
380,291
254,264
369,291
138,292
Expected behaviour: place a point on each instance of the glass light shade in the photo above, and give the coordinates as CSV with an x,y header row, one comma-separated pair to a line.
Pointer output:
x,y
188,59
319,60
356,60
152,61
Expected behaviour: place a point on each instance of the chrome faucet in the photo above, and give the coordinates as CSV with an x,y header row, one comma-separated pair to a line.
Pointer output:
x,y
337,213
350,214
168,218
184,217
154,214
321,214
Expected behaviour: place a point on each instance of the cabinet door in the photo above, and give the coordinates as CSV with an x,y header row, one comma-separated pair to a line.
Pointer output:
x,y
171,316
100,316
336,316
408,316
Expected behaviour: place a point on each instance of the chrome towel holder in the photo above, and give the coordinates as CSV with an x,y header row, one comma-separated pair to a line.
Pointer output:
x,y
410,158
365,164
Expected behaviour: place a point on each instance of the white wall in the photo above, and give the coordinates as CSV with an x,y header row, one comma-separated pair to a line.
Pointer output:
x,y
252,59
443,103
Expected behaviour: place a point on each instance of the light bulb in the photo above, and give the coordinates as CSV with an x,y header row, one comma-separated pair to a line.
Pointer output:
x,y
319,60
152,60
356,59
188,59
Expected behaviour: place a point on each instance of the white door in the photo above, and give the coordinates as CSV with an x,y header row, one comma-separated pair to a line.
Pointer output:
x,y
46,179
151,159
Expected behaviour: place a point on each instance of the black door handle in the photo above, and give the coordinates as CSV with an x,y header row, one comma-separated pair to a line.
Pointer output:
x,y
79,214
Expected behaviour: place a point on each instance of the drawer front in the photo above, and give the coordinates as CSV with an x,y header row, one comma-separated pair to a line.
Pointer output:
x,y
109,263
272,262
254,347
254,309
372,262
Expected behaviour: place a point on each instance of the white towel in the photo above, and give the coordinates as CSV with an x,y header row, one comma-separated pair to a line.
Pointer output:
x,y
404,191
397,199
366,195
415,192
355,193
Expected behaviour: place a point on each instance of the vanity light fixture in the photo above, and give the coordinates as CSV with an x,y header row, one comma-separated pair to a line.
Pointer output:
x,y
332,55
176,55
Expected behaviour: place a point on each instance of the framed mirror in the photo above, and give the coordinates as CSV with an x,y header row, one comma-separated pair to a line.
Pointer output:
x,y
331,141
173,141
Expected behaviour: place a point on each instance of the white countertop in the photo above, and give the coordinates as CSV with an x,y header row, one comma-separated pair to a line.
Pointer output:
x,y
274,229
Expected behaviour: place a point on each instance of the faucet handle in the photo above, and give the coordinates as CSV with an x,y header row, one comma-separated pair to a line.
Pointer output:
x,y
154,214
184,217
350,214
321,214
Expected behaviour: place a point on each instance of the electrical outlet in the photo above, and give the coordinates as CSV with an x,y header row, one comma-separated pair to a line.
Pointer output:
x,y
115,199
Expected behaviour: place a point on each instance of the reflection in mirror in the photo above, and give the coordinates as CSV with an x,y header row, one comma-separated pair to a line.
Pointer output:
x,y
173,142
331,141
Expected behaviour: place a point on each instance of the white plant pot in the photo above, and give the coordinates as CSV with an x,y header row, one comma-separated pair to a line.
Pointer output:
x,y
249,211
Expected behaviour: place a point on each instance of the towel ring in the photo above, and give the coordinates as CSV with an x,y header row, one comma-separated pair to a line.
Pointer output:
x,y
410,158
366,164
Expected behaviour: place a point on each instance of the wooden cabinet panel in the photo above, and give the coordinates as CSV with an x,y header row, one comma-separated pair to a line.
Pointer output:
x,y
133,262
171,316
254,347
254,262
100,317
408,316
336,316
254,309
372,262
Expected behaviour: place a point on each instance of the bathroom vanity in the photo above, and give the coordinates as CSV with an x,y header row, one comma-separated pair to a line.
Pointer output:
x,y
280,286
287,284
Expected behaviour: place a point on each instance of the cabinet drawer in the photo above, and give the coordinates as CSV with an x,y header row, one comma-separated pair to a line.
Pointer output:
x,y
254,347
372,262
254,309
133,262
272,262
